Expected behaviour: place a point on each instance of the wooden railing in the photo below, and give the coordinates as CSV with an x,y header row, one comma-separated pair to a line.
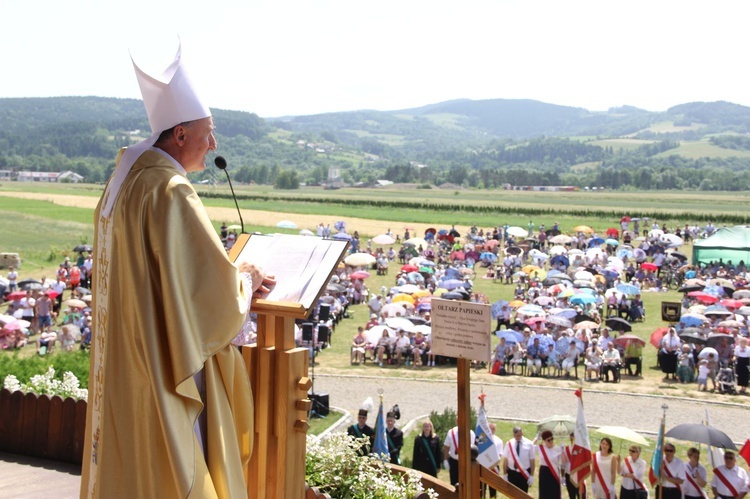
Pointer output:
x,y
40,426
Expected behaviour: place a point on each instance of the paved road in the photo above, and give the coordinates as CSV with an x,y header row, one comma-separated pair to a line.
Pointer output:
x,y
531,403
23,478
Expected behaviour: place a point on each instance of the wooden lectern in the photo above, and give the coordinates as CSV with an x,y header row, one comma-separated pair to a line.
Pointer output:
x,y
278,376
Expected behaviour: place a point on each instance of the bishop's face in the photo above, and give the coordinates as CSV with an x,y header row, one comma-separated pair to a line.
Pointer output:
x,y
198,140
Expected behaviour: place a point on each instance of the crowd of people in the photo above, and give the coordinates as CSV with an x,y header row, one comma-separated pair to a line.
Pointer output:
x,y
575,300
548,460
37,314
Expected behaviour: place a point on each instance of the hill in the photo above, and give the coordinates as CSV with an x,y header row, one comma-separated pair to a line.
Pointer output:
x,y
483,143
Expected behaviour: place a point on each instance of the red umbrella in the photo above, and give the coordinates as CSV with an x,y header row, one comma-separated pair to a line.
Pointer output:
x,y
612,232
16,295
730,303
410,268
52,293
625,219
458,255
625,339
657,335
491,243
534,320
360,274
431,230
703,297
649,266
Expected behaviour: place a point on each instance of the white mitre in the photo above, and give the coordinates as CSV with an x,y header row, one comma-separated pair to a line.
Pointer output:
x,y
170,99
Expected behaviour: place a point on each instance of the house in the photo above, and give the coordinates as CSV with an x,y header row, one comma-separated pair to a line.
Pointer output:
x,y
6,175
49,177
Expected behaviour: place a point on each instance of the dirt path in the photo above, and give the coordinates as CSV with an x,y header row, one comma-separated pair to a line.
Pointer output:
x,y
266,218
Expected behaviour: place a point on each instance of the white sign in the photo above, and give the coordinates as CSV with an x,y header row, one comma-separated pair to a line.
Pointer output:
x,y
461,329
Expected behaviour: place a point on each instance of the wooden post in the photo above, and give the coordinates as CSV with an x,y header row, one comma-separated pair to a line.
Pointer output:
x,y
278,376
464,439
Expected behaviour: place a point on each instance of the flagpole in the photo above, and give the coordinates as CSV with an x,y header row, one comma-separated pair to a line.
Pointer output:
x,y
664,408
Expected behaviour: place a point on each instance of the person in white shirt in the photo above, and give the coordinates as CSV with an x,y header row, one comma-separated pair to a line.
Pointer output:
x,y
402,346
672,475
695,476
611,362
633,470
729,481
551,462
518,460
12,280
450,452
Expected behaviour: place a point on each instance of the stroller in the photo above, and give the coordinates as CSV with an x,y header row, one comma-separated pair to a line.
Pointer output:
x,y
726,381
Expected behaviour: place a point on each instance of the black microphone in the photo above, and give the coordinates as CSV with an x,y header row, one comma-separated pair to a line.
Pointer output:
x,y
221,164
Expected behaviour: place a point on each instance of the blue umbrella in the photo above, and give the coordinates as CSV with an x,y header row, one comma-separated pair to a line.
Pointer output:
x,y
582,299
611,273
714,290
530,309
497,308
424,307
452,273
559,320
628,289
690,321
442,232
488,257
510,335
564,343
624,252
560,260
450,284
415,277
340,226
587,291
453,296
612,242
595,241
342,235
568,313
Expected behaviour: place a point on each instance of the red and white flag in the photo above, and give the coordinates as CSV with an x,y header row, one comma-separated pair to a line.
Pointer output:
x,y
580,464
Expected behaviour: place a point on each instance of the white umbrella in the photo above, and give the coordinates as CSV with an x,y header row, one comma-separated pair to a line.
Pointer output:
x,y
75,303
584,275
306,232
400,323
561,239
408,288
575,252
394,309
615,262
359,259
707,350
671,240
383,239
624,433
416,242
655,233
558,250
424,329
518,231
286,224
374,334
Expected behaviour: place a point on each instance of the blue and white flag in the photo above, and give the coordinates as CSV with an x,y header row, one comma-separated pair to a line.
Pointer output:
x,y
488,456
380,448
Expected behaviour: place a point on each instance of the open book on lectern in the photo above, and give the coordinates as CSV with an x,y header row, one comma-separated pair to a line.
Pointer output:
x,y
301,265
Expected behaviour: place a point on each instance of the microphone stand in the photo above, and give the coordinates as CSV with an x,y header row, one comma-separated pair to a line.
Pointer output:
x,y
221,164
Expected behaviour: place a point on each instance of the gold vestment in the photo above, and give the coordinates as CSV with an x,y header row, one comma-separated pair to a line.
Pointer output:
x,y
167,303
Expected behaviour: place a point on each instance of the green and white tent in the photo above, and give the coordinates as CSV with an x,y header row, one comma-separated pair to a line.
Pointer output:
x,y
726,244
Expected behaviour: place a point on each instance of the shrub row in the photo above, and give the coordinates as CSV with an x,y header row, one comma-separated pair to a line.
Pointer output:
x,y
691,217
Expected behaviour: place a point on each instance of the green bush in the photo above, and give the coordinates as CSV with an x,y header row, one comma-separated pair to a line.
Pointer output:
x,y
76,362
448,419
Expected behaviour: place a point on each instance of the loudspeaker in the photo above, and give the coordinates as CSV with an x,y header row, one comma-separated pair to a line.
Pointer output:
x,y
325,312
320,403
307,331
324,335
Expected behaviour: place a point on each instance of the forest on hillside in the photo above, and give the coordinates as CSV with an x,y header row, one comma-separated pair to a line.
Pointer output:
x,y
83,134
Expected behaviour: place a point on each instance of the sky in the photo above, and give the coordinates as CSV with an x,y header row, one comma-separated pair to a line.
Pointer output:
x,y
297,57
